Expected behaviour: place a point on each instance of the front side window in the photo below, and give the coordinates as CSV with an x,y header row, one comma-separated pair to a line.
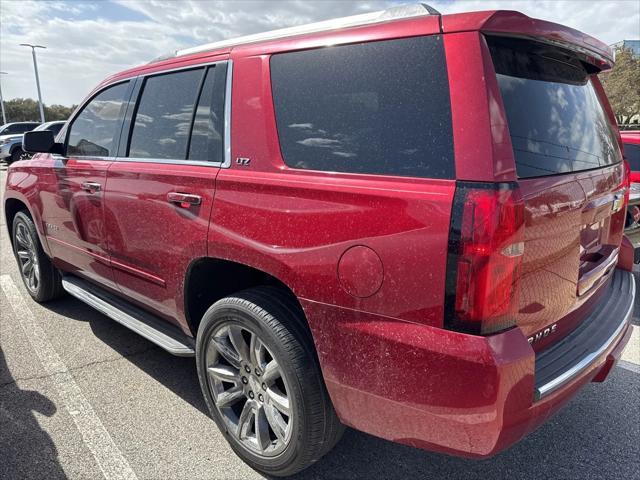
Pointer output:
x,y
94,131
378,107
163,117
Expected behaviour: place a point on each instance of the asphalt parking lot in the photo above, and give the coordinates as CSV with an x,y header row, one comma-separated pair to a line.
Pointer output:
x,y
82,397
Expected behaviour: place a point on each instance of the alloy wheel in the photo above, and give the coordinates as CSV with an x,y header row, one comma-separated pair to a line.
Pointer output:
x,y
27,253
249,389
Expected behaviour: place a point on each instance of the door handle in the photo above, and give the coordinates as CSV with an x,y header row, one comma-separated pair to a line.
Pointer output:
x,y
91,187
184,200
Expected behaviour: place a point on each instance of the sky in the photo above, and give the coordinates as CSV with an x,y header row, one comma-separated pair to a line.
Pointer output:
x,y
87,41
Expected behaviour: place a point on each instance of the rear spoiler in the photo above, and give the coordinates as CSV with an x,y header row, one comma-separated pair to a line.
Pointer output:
x,y
510,23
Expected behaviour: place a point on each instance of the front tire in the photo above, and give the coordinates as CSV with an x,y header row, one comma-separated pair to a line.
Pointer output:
x,y
40,277
262,382
16,154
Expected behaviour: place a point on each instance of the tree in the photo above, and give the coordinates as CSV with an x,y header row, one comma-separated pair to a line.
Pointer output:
x,y
622,85
26,110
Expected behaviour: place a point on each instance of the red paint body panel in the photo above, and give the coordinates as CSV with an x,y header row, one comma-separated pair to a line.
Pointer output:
x,y
152,241
390,367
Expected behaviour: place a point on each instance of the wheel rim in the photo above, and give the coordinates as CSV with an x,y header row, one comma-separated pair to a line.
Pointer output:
x,y
27,257
249,389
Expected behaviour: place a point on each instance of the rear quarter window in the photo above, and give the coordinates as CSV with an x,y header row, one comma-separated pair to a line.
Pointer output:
x,y
378,108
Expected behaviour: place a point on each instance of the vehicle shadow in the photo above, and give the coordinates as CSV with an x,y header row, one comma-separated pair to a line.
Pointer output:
x,y
591,434
26,450
178,374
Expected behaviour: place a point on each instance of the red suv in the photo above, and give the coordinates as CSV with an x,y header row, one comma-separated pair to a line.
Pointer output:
x,y
407,223
631,145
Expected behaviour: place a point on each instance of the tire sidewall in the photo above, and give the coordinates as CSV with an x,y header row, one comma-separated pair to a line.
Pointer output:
x,y
16,154
22,218
223,312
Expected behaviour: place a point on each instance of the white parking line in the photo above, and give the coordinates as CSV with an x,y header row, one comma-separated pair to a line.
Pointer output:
x,y
109,458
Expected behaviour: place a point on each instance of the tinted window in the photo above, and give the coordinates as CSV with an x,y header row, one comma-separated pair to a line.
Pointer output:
x,y
94,131
632,152
379,107
164,114
556,120
55,128
19,128
207,136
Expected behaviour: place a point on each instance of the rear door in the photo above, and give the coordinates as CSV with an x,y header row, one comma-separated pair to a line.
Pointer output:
x,y
568,163
74,220
160,189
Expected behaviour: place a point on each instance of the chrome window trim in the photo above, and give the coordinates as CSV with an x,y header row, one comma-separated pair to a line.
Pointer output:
x,y
227,116
549,387
168,161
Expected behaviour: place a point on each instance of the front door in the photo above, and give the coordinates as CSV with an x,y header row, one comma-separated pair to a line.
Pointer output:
x,y
159,193
75,221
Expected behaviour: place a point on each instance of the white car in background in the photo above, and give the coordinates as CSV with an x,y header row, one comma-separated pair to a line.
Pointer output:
x,y
11,143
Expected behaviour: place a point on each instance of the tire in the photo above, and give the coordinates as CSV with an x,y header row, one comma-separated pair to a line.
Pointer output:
x,y
27,248
269,319
16,154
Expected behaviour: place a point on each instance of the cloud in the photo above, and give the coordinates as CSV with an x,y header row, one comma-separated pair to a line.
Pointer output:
x,y
87,41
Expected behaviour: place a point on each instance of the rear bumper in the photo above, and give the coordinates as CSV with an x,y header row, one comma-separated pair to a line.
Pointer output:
x,y
451,392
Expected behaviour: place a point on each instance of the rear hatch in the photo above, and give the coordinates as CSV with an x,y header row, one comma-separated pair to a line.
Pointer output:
x,y
571,178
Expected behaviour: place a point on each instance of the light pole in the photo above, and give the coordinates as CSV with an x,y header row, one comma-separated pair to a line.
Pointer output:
x,y
4,116
35,67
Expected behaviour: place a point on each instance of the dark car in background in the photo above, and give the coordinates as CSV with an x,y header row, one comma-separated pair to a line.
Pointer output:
x,y
11,145
631,145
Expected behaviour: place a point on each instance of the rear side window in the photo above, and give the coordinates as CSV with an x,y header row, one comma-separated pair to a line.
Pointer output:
x,y
632,152
556,120
379,107
94,130
207,135
163,116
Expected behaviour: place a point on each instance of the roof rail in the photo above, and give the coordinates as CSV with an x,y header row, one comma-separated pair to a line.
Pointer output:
x,y
393,13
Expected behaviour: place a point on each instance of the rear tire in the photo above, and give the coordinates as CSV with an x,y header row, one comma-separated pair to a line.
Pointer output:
x,y
41,279
231,328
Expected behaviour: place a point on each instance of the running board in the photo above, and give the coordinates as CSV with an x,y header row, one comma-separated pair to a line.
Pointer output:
x,y
154,329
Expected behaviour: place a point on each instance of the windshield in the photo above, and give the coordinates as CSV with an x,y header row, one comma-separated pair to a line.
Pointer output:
x,y
556,120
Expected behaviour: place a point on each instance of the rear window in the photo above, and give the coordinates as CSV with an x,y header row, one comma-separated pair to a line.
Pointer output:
x,y
632,152
556,120
379,107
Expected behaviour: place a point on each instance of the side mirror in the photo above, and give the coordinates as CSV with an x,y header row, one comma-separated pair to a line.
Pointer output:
x,y
41,141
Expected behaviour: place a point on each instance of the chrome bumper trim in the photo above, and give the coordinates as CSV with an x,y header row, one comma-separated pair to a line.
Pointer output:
x,y
583,364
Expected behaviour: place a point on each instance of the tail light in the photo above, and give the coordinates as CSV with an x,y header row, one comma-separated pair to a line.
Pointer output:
x,y
486,245
626,182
